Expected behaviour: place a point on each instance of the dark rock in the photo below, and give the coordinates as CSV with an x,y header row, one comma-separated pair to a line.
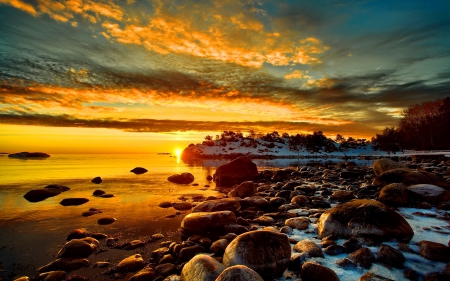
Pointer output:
x,y
382,165
346,263
255,201
52,276
264,220
165,204
106,220
298,223
76,234
390,256
276,202
300,200
209,178
97,180
410,177
218,247
109,195
394,195
308,247
349,175
312,271
166,269
64,264
245,189
37,195
411,275
239,273
235,228
145,274
363,257
78,248
342,196
182,206
266,252
73,201
139,170
352,244
131,263
29,155
188,253
435,276
235,172
334,250
363,217
202,268
226,204
98,192
434,251
369,276
184,178
428,193
57,186
203,223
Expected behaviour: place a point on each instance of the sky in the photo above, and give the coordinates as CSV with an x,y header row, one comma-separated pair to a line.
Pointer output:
x,y
139,76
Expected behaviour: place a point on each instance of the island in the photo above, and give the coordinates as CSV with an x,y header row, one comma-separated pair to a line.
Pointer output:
x,y
29,155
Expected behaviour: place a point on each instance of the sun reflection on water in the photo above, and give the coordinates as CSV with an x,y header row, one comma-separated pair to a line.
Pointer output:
x,y
178,155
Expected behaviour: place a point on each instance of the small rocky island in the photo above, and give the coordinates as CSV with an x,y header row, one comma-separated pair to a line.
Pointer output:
x,y
29,155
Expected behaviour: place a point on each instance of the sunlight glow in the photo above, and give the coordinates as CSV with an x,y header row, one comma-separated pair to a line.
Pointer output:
x,y
178,154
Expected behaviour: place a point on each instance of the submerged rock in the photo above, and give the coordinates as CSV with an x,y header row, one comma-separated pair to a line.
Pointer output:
x,y
235,172
266,252
139,170
364,218
184,178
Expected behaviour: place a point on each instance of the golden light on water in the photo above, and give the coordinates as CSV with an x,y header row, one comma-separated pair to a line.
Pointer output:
x,y
178,154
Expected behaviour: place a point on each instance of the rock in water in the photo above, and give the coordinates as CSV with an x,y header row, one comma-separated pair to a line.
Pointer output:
x,y
97,180
434,251
226,204
139,170
364,218
410,177
184,178
147,273
37,195
394,195
202,223
312,271
266,252
382,165
235,172
64,264
73,201
429,193
239,273
106,220
201,267
29,155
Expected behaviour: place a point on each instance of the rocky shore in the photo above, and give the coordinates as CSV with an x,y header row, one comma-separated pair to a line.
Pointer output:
x,y
322,222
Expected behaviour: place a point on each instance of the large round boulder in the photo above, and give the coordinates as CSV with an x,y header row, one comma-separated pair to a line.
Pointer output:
x,y
183,178
266,252
312,271
131,263
409,177
239,273
201,268
428,192
235,172
364,218
226,204
394,195
202,223
382,165
245,189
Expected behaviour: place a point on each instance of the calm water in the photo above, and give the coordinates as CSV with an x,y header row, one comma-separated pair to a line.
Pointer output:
x,y
32,233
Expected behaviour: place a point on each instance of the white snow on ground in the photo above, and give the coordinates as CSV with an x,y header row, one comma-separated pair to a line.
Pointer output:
x,y
413,261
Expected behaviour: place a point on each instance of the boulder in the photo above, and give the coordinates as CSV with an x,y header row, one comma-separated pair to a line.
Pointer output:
x,y
139,170
428,192
188,253
309,248
226,204
182,206
266,252
312,271
369,276
73,201
106,220
255,201
364,218
166,269
203,223
394,195
235,172
184,178
434,251
37,195
145,274
78,233
218,247
64,264
390,256
97,180
342,196
239,273
299,223
131,263
299,199
201,268
51,276
382,165
245,189
363,256
78,248
410,177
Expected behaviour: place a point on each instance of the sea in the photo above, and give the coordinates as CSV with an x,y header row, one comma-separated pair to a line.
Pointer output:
x,y
31,234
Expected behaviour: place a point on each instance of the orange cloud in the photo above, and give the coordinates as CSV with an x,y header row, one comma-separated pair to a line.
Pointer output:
x,y
18,4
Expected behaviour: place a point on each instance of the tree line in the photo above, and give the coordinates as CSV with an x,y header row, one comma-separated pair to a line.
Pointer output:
x,y
424,126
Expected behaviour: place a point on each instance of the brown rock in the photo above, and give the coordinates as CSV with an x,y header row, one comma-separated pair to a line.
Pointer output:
x,y
182,206
202,268
428,193
369,276
145,274
206,222
235,172
64,264
52,276
382,165
434,251
312,271
183,178
225,204
410,177
342,196
239,273
266,252
390,256
363,257
131,263
308,247
299,223
78,248
364,218
73,201
245,189
394,195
